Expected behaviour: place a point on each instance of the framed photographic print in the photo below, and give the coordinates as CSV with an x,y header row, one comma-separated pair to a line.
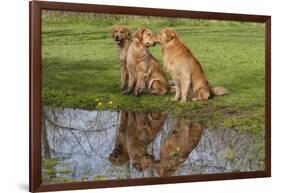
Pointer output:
x,y
123,96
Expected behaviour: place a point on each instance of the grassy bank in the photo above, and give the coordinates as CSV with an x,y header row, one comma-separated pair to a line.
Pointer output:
x,y
80,67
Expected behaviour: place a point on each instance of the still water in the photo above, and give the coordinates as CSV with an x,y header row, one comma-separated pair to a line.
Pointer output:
x,y
80,145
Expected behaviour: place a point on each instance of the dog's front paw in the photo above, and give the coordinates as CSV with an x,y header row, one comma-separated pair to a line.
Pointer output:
x,y
136,93
174,99
182,101
195,99
127,92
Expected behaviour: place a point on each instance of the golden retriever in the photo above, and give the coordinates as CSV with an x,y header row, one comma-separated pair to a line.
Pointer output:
x,y
177,146
142,130
119,155
123,38
144,70
185,69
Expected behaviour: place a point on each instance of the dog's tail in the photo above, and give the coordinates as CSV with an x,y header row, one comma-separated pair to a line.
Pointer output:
x,y
218,91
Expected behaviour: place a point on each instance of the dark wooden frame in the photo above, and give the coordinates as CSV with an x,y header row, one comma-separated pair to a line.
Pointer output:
x,y
35,8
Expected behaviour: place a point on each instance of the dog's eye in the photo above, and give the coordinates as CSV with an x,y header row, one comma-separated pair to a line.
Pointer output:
x,y
115,31
148,34
122,32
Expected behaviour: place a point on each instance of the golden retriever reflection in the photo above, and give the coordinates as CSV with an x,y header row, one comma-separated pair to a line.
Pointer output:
x,y
177,146
136,132
119,155
142,129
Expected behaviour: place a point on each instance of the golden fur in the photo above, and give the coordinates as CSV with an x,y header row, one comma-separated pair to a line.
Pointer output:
x,y
142,130
144,70
177,146
119,155
186,71
123,38
136,132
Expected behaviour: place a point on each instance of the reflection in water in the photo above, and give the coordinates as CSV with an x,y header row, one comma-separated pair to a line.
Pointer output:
x,y
80,145
176,147
136,132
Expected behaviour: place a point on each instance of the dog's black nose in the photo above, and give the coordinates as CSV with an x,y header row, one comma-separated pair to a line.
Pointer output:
x,y
117,38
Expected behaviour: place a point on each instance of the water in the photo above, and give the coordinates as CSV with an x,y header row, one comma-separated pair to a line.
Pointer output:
x,y
79,145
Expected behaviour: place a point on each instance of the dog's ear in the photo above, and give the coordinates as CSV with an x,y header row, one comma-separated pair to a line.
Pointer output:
x,y
128,32
170,34
139,34
112,30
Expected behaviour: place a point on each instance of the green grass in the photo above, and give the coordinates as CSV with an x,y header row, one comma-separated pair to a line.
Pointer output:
x,y
80,67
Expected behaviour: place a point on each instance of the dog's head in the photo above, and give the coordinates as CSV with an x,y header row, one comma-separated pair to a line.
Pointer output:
x,y
120,33
145,36
165,36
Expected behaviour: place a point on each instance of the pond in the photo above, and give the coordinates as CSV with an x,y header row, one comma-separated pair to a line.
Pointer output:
x,y
81,145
